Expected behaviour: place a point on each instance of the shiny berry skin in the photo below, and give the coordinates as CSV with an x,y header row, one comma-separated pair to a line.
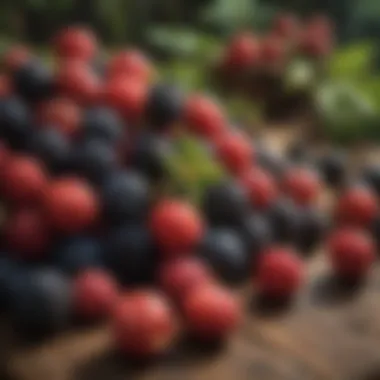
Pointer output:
x,y
102,123
285,25
224,250
60,113
279,274
204,117
71,205
95,295
76,254
15,57
94,159
127,96
130,63
27,235
40,303
131,254
351,252
125,196
235,152
332,166
242,53
75,42
302,185
163,107
176,226
24,180
225,204
143,324
76,80
53,148
211,312
33,81
15,122
261,187
180,276
356,206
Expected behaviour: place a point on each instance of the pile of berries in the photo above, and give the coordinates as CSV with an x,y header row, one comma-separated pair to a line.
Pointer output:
x,y
82,152
257,65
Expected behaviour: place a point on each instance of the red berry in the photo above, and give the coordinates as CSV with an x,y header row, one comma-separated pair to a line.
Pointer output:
x,y
211,312
60,113
204,117
5,86
242,53
130,63
357,206
302,185
27,234
144,324
262,188
95,294
126,95
273,51
76,42
352,252
286,25
180,276
71,205
235,151
176,226
279,273
77,81
15,57
24,180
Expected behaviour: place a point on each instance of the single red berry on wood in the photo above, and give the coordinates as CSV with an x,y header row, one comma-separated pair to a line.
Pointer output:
x,y
75,80
261,187
204,117
27,235
24,180
60,113
351,252
279,274
180,276
71,205
15,57
302,185
176,226
144,324
356,206
211,312
95,294
130,63
242,53
235,151
75,42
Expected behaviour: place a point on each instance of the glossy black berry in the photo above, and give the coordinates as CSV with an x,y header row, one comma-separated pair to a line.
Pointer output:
x,y
78,253
33,81
312,226
53,148
125,197
131,254
332,166
225,204
94,159
371,176
103,123
148,154
40,303
283,217
164,106
225,252
15,122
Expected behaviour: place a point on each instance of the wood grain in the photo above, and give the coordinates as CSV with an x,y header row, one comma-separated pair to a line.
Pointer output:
x,y
331,332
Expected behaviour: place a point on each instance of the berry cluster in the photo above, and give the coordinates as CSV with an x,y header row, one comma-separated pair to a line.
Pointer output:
x,y
257,65
86,234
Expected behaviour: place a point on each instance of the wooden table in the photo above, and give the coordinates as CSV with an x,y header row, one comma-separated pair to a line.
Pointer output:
x,y
330,333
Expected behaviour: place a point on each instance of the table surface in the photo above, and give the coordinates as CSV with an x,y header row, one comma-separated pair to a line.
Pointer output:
x,y
328,333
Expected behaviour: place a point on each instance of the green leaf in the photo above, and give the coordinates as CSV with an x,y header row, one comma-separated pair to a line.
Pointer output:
x,y
353,61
